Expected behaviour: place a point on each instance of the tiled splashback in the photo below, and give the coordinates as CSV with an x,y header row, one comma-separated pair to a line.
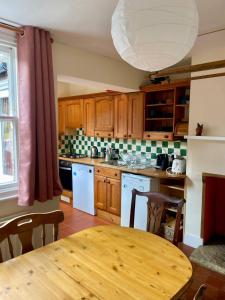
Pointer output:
x,y
82,144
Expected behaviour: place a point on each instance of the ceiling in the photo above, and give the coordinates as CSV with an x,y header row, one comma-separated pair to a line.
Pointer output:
x,y
86,23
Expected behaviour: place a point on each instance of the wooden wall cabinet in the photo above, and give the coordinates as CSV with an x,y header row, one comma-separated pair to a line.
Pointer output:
x,y
61,118
135,115
104,112
89,117
165,113
74,114
108,190
129,110
121,116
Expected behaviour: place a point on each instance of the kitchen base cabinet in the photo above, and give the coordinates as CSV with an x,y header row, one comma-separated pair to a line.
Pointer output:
x,y
107,191
100,192
113,191
102,214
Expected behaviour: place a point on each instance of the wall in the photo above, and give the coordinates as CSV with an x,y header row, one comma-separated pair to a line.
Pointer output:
x,y
207,106
82,144
65,89
76,63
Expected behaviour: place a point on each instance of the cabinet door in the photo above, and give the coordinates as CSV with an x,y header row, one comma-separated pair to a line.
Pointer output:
x,y
120,116
74,113
100,192
89,117
104,113
61,118
113,196
135,115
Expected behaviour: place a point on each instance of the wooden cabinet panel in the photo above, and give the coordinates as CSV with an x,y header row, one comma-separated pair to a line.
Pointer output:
x,y
113,196
74,113
158,136
103,133
121,116
135,115
104,112
108,172
61,118
89,117
100,192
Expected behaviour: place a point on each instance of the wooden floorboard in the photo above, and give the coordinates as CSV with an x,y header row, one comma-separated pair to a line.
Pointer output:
x,y
76,220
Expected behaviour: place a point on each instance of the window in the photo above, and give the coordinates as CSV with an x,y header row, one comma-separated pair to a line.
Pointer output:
x,y
8,121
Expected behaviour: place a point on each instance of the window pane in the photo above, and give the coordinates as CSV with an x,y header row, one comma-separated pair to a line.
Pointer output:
x,y
7,152
5,107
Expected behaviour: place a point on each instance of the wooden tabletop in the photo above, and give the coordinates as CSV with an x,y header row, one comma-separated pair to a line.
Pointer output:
x,y
104,262
150,172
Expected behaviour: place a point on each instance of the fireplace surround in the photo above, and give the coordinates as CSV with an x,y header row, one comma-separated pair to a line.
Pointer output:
x,y
213,207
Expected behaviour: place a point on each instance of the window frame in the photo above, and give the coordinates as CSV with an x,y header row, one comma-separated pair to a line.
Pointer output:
x,y
10,190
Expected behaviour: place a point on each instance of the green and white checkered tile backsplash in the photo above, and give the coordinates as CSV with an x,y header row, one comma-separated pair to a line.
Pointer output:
x,y
82,144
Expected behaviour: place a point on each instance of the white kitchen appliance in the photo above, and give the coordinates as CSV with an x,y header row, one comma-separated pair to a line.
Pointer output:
x,y
83,188
143,184
179,165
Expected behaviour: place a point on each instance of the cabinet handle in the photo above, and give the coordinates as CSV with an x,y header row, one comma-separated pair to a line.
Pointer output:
x,y
129,135
166,136
97,133
109,134
104,180
98,171
125,136
148,135
115,174
108,181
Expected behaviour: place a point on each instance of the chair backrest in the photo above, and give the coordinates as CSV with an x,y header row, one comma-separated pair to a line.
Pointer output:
x,y
200,292
23,227
156,208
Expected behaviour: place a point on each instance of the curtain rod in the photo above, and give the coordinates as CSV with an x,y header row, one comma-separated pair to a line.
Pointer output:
x,y
12,28
15,29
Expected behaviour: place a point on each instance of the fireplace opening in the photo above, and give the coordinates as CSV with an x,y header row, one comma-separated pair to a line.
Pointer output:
x,y
213,213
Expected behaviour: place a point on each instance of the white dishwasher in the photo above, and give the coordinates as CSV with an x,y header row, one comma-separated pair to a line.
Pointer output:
x,y
83,188
142,184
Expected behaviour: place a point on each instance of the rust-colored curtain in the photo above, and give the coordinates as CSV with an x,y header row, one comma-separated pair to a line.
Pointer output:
x,y
38,171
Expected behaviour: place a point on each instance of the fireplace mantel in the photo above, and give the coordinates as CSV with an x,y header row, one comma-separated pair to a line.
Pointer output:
x,y
205,138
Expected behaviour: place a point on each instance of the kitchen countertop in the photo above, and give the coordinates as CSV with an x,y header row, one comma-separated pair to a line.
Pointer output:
x,y
150,172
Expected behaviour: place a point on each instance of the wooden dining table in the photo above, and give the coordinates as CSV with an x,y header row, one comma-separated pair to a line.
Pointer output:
x,y
104,262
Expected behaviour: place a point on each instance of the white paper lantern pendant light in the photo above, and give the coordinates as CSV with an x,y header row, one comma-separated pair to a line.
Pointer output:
x,y
154,34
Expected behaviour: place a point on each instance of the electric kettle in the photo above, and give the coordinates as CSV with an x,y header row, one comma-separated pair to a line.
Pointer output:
x,y
179,165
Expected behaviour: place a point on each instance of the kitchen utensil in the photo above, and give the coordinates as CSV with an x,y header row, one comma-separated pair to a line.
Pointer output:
x,y
115,154
179,165
94,152
108,154
162,161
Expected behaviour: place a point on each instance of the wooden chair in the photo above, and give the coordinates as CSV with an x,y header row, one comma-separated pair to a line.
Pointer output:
x,y
23,227
200,292
199,295
156,206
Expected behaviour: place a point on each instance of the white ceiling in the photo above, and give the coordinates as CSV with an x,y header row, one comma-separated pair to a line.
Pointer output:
x,y
86,23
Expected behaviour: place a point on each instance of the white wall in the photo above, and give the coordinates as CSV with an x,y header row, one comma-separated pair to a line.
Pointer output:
x,y
207,106
77,63
9,207
65,89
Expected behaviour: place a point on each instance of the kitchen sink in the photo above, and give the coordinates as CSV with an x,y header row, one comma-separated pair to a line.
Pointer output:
x,y
112,163
115,163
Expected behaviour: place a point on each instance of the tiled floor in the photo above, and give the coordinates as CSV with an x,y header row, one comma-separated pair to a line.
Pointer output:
x,y
76,220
